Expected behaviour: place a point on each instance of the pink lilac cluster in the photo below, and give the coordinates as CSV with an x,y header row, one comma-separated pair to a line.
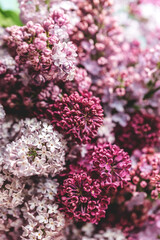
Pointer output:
x,y
81,83
37,150
43,50
96,35
142,130
101,171
37,11
77,116
102,49
81,196
146,174
110,162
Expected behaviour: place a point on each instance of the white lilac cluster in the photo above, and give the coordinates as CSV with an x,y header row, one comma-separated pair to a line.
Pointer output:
x,y
42,217
37,150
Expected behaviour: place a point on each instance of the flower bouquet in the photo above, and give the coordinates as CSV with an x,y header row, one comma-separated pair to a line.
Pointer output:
x,y
80,121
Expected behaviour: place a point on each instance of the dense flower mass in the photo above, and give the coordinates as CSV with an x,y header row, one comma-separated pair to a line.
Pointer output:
x,y
110,162
11,190
80,120
43,50
37,151
142,130
146,174
82,197
77,116
43,220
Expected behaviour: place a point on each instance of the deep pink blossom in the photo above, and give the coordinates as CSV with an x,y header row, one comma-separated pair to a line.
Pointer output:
x,y
142,130
110,162
77,116
81,197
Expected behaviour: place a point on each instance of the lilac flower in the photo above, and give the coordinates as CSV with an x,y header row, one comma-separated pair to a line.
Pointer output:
x,y
50,56
42,218
81,197
110,162
77,116
142,130
37,151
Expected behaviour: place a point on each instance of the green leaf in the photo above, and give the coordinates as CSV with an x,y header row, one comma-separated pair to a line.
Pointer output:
x,y
9,18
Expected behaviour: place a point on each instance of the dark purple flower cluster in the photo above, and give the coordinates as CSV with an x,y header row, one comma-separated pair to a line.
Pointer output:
x,y
142,130
82,197
88,187
77,116
110,162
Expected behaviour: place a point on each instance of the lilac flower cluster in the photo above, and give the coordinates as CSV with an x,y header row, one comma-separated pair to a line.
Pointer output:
x,y
43,50
42,218
82,197
146,174
38,150
80,121
77,116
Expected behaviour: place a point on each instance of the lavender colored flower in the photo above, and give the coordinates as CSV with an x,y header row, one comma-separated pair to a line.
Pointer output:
x,y
37,11
77,116
48,95
106,130
38,150
109,234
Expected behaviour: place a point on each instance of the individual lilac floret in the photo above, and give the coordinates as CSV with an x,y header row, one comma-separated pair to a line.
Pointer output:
x,y
42,217
81,197
110,162
77,116
43,49
38,150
